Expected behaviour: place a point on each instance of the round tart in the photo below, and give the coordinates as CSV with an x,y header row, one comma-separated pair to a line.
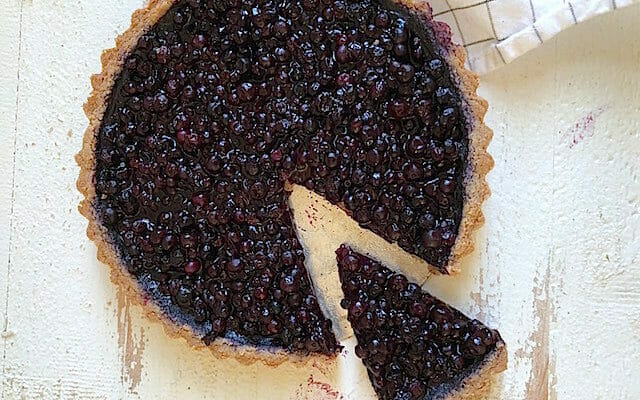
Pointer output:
x,y
206,113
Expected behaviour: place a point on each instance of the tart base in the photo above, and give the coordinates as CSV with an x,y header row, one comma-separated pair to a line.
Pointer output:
x,y
479,164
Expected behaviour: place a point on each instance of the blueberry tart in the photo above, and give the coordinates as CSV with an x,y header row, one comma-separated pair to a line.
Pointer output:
x,y
208,111
414,346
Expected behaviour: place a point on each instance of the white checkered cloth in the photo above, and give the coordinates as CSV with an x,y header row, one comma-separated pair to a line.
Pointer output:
x,y
495,32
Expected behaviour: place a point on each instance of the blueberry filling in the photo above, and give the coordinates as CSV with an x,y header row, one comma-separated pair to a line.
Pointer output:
x,y
223,103
413,345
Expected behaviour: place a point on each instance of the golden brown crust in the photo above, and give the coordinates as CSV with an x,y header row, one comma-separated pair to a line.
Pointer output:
x,y
477,385
477,190
479,162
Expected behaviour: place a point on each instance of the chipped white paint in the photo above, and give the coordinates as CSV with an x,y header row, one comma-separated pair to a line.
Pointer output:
x,y
557,268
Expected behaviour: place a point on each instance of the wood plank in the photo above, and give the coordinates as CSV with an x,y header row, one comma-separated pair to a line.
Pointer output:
x,y
595,283
61,307
9,61
513,275
583,99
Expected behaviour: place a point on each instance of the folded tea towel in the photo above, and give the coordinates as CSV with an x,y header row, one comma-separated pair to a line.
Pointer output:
x,y
495,32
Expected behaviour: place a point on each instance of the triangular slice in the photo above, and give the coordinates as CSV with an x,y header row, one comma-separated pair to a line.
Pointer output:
x,y
413,345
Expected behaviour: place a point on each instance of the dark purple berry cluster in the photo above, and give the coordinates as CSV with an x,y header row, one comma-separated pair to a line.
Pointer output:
x,y
222,103
410,342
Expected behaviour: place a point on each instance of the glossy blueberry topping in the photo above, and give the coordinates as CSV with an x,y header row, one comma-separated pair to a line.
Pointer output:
x,y
222,103
410,342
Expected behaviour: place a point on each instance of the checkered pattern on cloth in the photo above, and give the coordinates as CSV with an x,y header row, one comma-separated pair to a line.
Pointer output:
x,y
495,32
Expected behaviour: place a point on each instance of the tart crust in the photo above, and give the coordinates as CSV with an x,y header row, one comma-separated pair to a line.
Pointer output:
x,y
478,383
476,189
479,161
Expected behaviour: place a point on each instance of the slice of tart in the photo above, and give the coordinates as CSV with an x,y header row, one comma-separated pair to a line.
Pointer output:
x,y
207,111
413,345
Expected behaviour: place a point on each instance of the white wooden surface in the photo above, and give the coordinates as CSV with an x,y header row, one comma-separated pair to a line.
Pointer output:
x,y
557,268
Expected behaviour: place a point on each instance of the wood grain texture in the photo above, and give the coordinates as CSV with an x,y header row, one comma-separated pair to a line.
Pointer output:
x,y
557,268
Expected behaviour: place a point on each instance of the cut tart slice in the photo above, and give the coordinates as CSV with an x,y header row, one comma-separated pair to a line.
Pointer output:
x,y
207,111
413,345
